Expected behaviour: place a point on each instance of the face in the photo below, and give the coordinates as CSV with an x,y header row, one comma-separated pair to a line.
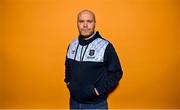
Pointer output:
x,y
86,23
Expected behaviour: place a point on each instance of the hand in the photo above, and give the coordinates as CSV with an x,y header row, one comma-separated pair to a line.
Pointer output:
x,y
67,83
97,93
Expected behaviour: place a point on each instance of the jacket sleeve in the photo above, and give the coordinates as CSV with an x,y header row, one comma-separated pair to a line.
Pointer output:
x,y
113,74
67,70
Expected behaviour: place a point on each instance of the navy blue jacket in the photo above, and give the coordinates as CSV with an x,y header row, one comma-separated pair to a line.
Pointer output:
x,y
91,64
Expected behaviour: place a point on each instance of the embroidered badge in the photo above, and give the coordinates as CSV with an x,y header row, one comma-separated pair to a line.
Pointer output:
x,y
91,52
73,51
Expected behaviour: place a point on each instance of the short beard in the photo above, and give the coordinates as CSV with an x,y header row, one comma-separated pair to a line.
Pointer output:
x,y
87,35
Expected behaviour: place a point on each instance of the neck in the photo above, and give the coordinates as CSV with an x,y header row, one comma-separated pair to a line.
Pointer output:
x,y
90,36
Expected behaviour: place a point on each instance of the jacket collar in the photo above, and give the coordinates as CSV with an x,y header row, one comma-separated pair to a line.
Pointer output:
x,y
83,42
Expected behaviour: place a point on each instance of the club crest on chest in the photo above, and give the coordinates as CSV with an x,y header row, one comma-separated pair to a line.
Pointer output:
x,y
91,52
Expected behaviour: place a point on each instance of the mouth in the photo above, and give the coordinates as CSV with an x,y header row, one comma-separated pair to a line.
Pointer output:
x,y
85,30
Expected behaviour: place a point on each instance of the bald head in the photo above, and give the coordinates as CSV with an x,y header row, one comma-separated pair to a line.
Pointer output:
x,y
86,23
87,12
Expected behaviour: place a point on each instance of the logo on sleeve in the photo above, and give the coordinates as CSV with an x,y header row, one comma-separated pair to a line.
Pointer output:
x,y
73,51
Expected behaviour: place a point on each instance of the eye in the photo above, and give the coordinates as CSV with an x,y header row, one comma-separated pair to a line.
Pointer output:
x,y
81,21
89,21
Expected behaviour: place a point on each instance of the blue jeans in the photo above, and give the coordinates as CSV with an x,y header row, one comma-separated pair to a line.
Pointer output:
x,y
76,105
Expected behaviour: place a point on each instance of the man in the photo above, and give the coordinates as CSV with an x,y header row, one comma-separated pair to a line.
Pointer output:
x,y
92,68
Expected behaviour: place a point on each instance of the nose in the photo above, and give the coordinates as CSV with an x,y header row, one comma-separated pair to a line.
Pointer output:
x,y
85,24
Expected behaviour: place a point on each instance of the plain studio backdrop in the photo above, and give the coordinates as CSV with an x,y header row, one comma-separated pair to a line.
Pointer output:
x,y
35,35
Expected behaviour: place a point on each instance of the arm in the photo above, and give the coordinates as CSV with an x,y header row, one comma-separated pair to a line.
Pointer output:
x,y
67,70
114,72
